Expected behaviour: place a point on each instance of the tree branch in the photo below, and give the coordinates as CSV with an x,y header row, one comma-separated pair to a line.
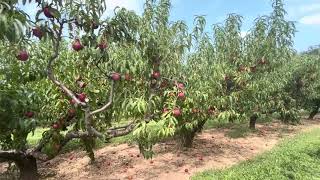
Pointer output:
x,y
50,72
10,155
109,102
122,127
117,133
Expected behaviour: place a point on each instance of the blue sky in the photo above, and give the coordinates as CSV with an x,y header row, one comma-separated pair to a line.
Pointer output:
x,y
306,13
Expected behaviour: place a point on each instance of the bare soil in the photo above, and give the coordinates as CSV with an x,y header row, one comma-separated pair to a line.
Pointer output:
x,y
211,149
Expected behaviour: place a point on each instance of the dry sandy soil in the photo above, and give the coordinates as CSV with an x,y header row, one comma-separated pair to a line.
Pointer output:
x,y
211,149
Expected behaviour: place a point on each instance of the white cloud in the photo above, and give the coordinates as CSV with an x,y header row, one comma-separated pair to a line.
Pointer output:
x,y
311,19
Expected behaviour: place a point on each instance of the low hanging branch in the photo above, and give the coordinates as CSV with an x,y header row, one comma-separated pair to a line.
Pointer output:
x,y
90,130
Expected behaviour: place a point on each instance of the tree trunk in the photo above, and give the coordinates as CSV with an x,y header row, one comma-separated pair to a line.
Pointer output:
x,y
253,120
188,136
314,112
27,164
28,168
187,139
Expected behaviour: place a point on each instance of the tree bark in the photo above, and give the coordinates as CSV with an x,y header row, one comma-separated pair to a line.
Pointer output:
x,y
27,164
188,136
187,139
314,112
253,120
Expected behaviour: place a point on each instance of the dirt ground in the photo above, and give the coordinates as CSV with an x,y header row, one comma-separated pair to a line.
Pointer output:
x,y
212,149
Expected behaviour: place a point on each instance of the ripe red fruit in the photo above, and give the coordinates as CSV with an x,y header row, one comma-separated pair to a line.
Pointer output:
x,y
23,55
181,95
82,97
37,32
47,12
115,76
156,75
180,86
186,170
76,45
29,114
102,46
177,112
72,101
55,126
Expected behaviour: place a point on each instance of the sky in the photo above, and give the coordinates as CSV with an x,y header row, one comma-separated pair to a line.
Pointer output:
x,y
306,14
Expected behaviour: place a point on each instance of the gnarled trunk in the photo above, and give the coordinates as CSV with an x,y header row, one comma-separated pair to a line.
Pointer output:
x,y
253,120
314,112
187,137
27,164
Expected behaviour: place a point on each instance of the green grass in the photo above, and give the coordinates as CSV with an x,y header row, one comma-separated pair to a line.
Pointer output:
x,y
33,139
295,158
239,132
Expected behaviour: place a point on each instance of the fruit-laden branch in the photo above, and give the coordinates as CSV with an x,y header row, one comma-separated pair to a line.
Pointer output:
x,y
68,137
109,102
111,133
56,41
